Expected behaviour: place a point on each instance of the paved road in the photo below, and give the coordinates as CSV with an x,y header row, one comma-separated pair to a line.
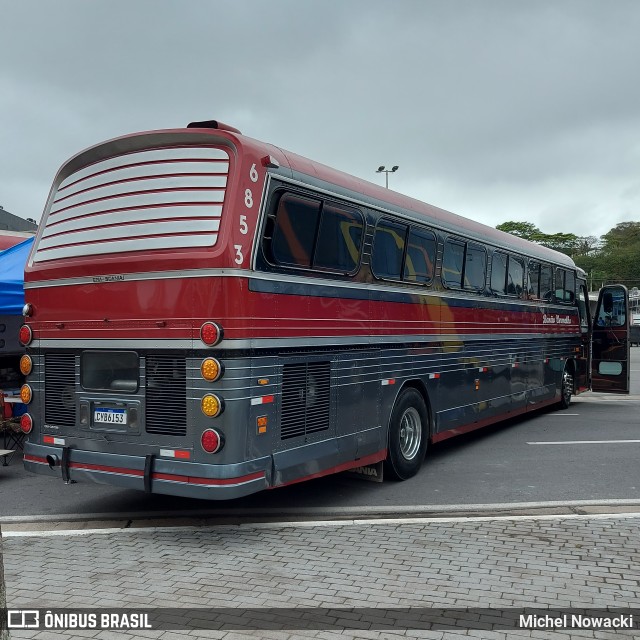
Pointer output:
x,y
251,578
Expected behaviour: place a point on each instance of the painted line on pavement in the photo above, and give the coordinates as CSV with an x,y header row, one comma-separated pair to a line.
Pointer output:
x,y
588,442
321,523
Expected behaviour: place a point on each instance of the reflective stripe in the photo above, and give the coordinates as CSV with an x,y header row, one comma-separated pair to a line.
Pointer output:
x,y
262,400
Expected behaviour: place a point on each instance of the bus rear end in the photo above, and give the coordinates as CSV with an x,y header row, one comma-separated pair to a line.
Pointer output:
x,y
133,280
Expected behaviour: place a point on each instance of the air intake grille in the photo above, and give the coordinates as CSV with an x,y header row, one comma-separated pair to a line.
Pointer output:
x,y
59,389
166,399
305,398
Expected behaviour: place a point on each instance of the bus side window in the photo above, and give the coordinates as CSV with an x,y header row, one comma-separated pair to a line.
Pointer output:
x,y
421,255
570,288
515,285
475,267
452,263
295,230
388,249
583,309
546,283
499,272
339,239
534,280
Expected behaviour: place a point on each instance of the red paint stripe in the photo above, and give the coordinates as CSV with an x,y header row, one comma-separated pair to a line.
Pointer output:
x,y
208,481
458,431
352,464
84,466
37,459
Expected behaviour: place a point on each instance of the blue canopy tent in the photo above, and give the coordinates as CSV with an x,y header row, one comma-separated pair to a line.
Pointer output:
x,y
12,262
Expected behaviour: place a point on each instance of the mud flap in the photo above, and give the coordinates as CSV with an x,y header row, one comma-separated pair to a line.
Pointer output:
x,y
64,465
148,470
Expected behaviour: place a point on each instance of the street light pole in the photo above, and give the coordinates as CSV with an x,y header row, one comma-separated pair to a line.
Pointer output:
x,y
386,172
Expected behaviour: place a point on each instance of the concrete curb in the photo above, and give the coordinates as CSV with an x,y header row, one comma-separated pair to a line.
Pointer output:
x,y
257,515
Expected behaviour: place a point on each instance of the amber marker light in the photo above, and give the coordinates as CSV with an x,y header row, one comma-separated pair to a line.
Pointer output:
x,y
26,423
26,394
211,333
211,405
25,335
26,365
211,369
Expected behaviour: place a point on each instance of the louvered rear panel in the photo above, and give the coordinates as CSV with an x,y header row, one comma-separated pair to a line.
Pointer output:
x,y
155,199
166,395
59,389
306,395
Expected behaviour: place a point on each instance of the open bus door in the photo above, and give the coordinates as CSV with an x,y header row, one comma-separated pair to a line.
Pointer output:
x,y
610,340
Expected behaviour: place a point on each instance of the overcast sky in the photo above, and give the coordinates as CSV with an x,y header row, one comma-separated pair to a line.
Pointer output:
x,y
494,109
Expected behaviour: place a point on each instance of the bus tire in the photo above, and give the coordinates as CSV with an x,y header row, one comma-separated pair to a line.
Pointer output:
x,y
566,388
408,435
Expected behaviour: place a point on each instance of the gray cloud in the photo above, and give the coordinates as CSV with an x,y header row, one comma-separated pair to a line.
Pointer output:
x,y
496,109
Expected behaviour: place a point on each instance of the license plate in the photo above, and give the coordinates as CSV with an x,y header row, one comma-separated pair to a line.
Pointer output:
x,y
110,416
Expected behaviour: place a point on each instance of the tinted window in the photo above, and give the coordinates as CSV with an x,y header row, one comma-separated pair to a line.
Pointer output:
x,y
583,306
109,370
388,249
339,239
570,287
534,279
499,272
421,252
565,286
452,263
546,282
295,230
475,267
515,282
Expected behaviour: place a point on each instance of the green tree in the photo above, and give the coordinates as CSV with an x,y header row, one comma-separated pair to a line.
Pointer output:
x,y
526,230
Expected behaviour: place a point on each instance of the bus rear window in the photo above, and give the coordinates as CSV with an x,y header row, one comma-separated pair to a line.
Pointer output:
x,y
110,371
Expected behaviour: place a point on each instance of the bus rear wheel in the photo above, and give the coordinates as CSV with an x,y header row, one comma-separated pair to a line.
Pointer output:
x,y
566,389
408,435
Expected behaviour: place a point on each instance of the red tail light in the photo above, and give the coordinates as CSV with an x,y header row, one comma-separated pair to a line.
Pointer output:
x,y
211,333
26,423
212,441
25,335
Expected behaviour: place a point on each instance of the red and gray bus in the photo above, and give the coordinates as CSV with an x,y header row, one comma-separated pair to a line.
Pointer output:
x,y
208,315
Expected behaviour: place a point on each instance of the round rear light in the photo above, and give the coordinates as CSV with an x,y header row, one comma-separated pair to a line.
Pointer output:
x,y
27,310
26,394
211,369
211,333
26,365
212,441
25,335
26,423
212,405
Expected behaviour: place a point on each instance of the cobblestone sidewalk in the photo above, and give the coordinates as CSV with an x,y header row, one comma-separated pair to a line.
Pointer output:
x,y
560,562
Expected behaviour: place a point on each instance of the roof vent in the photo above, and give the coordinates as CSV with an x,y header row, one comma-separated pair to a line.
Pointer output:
x,y
213,124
